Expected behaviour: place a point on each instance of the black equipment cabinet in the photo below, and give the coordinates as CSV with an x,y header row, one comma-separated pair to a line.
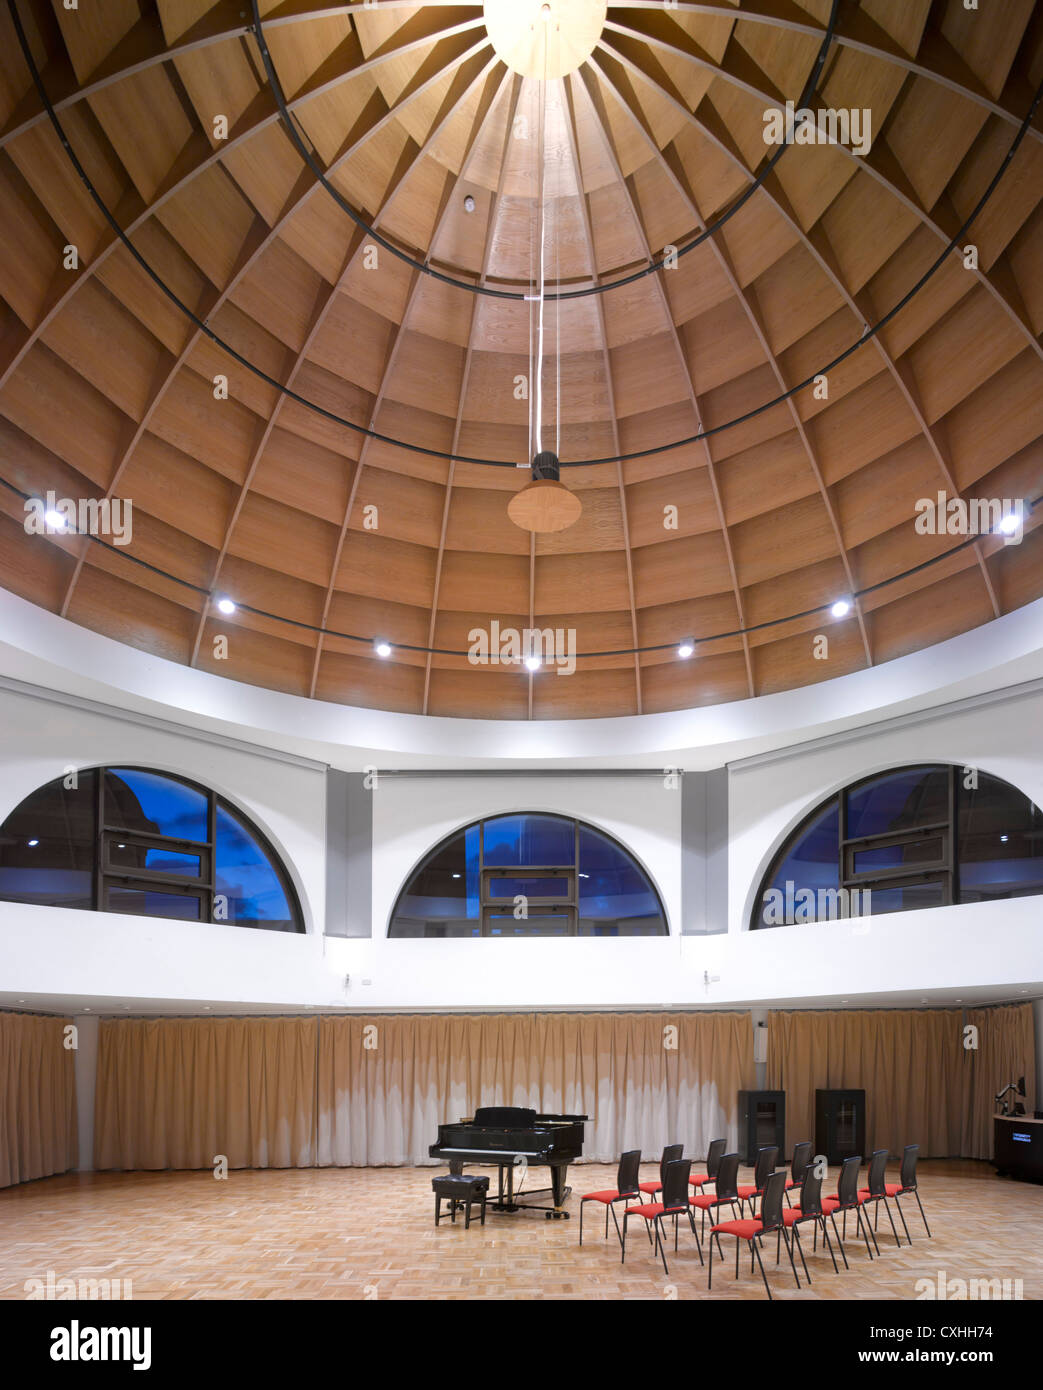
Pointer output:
x,y
1018,1146
840,1124
762,1121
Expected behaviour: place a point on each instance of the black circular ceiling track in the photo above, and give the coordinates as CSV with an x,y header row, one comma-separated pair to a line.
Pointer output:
x,y
869,332
292,129
1029,506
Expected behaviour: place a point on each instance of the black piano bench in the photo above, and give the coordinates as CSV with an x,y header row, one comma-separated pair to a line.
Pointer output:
x,y
460,1190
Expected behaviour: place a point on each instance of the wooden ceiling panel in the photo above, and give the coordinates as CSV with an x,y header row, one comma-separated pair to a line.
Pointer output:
x,y
794,536
931,131
378,567
593,583
336,536
689,568
711,680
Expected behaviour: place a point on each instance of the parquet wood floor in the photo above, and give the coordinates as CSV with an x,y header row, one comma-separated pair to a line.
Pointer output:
x,y
369,1233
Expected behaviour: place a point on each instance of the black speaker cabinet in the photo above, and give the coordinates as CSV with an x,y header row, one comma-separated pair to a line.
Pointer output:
x,y
840,1124
762,1121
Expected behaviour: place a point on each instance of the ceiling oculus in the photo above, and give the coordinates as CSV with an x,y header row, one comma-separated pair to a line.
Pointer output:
x,y
524,31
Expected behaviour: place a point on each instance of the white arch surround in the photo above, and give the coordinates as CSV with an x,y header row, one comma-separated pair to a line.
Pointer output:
x,y
525,809
809,810
223,792
40,648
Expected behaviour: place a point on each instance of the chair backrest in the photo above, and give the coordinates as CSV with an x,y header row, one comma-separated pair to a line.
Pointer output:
x,y
671,1153
801,1159
713,1156
771,1200
877,1168
675,1191
811,1192
764,1165
728,1178
847,1183
628,1173
909,1156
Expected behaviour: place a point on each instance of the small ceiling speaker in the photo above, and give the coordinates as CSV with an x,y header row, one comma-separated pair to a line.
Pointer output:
x,y
545,504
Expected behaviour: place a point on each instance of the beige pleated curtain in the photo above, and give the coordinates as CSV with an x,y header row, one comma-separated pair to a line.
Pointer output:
x,y
359,1090
368,1089
37,1098
923,1085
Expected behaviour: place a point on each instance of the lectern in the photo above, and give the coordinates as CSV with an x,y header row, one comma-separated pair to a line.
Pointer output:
x,y
840,1124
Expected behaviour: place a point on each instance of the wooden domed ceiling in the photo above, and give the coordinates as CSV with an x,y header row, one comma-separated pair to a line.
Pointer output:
x,y
237,258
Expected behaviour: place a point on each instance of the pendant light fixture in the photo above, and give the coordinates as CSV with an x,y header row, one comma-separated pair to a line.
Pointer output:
x,y
545,504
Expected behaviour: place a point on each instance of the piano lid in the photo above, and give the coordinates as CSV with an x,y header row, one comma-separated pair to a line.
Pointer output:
x,y
515,1117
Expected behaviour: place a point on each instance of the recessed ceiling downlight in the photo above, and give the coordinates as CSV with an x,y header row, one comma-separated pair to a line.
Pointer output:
x,y
841,608
226,606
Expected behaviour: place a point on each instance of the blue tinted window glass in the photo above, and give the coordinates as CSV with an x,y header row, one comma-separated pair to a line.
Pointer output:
x,y
245,879
529,887
442,898
529,839
811,862
157,858
153,803
47,846
612,887
898,801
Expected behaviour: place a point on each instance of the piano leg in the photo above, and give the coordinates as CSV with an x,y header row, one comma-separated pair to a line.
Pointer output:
x,y
559,1191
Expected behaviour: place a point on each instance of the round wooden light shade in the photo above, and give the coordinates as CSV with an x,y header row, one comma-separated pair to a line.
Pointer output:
x,y
263,485
544,505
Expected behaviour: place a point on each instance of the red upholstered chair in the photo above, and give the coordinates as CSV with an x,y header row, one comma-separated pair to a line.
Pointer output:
x,y
907,1184
877,1192
753,1229
847,1199
810,1209
675,1203
713,1159
626,1190
726,1190
764,1166
670,1153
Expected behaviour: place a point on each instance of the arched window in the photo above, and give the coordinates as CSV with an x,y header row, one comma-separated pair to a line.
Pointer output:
x,y
528,874
913,837
127,839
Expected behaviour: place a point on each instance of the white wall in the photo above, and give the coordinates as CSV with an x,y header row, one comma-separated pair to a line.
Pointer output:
x,y
41,739
85,957
412,814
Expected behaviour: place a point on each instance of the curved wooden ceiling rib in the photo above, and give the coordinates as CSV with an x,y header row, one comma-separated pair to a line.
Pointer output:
x,y
584,200
881,166
409,163
816,244
145,46
199,155
372,121
685,192
859,32
644,75
485,108
693,401
494,209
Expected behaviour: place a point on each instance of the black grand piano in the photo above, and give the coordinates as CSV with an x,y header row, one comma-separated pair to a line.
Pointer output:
x,y
503,1136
